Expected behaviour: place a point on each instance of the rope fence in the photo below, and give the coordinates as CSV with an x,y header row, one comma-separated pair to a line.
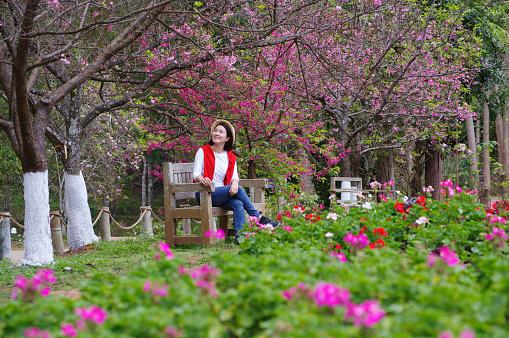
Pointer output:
x,y
145,209
146,212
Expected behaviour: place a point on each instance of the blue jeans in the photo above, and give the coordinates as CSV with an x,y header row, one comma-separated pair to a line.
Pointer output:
x,y
236,203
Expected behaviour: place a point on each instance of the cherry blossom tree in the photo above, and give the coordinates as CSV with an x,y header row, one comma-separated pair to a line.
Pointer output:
x,y
52,52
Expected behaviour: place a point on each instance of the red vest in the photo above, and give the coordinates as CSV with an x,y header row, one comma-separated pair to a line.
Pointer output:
x,y
209,164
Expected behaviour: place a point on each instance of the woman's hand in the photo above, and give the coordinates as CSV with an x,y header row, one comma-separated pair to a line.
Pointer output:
x,y
234,188
206,181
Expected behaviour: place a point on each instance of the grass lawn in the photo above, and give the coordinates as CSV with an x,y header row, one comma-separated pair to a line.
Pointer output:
x,y
103,259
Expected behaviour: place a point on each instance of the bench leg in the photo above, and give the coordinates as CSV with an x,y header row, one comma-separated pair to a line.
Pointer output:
x,y
170,231
206,217
224,222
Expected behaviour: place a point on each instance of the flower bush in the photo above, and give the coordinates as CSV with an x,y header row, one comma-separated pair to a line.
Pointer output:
x,y
402,269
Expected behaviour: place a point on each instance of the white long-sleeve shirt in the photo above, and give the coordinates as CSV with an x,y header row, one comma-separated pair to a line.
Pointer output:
x,y
219,170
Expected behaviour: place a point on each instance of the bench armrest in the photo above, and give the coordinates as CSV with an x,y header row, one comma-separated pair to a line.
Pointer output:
x,y
254,183
190,187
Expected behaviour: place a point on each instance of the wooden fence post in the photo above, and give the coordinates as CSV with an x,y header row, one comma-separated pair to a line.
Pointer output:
x,y
5,236
147,220
105,224
56,232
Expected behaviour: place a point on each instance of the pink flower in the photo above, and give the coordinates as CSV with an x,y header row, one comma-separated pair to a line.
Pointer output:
x,y
288,294
287,228
47,275
367,313
466,333
445,334
45,291
448,256
21,282
182,270
360,241
328,294
69,330
92,313
165,247
54,3
173,332
432,259
160,292
32,332
146,286
340,256
219,234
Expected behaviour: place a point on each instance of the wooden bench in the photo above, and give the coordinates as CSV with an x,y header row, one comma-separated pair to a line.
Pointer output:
x,y
350,187
178,185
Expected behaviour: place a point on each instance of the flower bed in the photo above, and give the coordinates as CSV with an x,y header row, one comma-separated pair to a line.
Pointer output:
x,y
430,269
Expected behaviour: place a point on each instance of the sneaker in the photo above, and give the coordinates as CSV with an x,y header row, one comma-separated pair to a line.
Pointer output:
x,y
266,220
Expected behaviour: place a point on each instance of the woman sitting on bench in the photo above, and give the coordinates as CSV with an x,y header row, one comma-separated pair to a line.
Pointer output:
x,y
216,163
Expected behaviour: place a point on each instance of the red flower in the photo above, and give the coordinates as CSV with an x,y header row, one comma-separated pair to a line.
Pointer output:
x,y
313,218
400,207
279,217
421,201
380,232
338,247
388,219
378,244
363,219
362,230
288,214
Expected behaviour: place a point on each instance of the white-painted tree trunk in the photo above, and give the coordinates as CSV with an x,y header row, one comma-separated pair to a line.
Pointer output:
x,y
80,231
38,246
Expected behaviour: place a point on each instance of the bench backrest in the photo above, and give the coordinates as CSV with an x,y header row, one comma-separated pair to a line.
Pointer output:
x,y
181,173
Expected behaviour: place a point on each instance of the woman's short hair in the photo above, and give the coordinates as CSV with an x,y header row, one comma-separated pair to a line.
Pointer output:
x,y
229,144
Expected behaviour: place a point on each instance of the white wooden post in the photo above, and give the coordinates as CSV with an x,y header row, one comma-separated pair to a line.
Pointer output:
x,y
105,224
5,236
56,232
147,220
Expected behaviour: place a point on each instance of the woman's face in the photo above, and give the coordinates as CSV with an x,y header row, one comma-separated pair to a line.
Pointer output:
x,y
219,136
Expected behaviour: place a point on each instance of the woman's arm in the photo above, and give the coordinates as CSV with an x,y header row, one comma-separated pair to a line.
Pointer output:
x,y
234,184
199,160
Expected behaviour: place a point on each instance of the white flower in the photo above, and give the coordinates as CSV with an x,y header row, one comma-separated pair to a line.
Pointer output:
x,y
422,220
397,192
367,205
369,195
329,234
332,216
269,227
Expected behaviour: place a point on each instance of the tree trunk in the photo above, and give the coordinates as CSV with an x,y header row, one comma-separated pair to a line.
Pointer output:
x,y
144,183
38,245
305,179
433,173
251,169
79,224
417,170
80,230
501,152
150,187
505,127
486,184
472,146
384,166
